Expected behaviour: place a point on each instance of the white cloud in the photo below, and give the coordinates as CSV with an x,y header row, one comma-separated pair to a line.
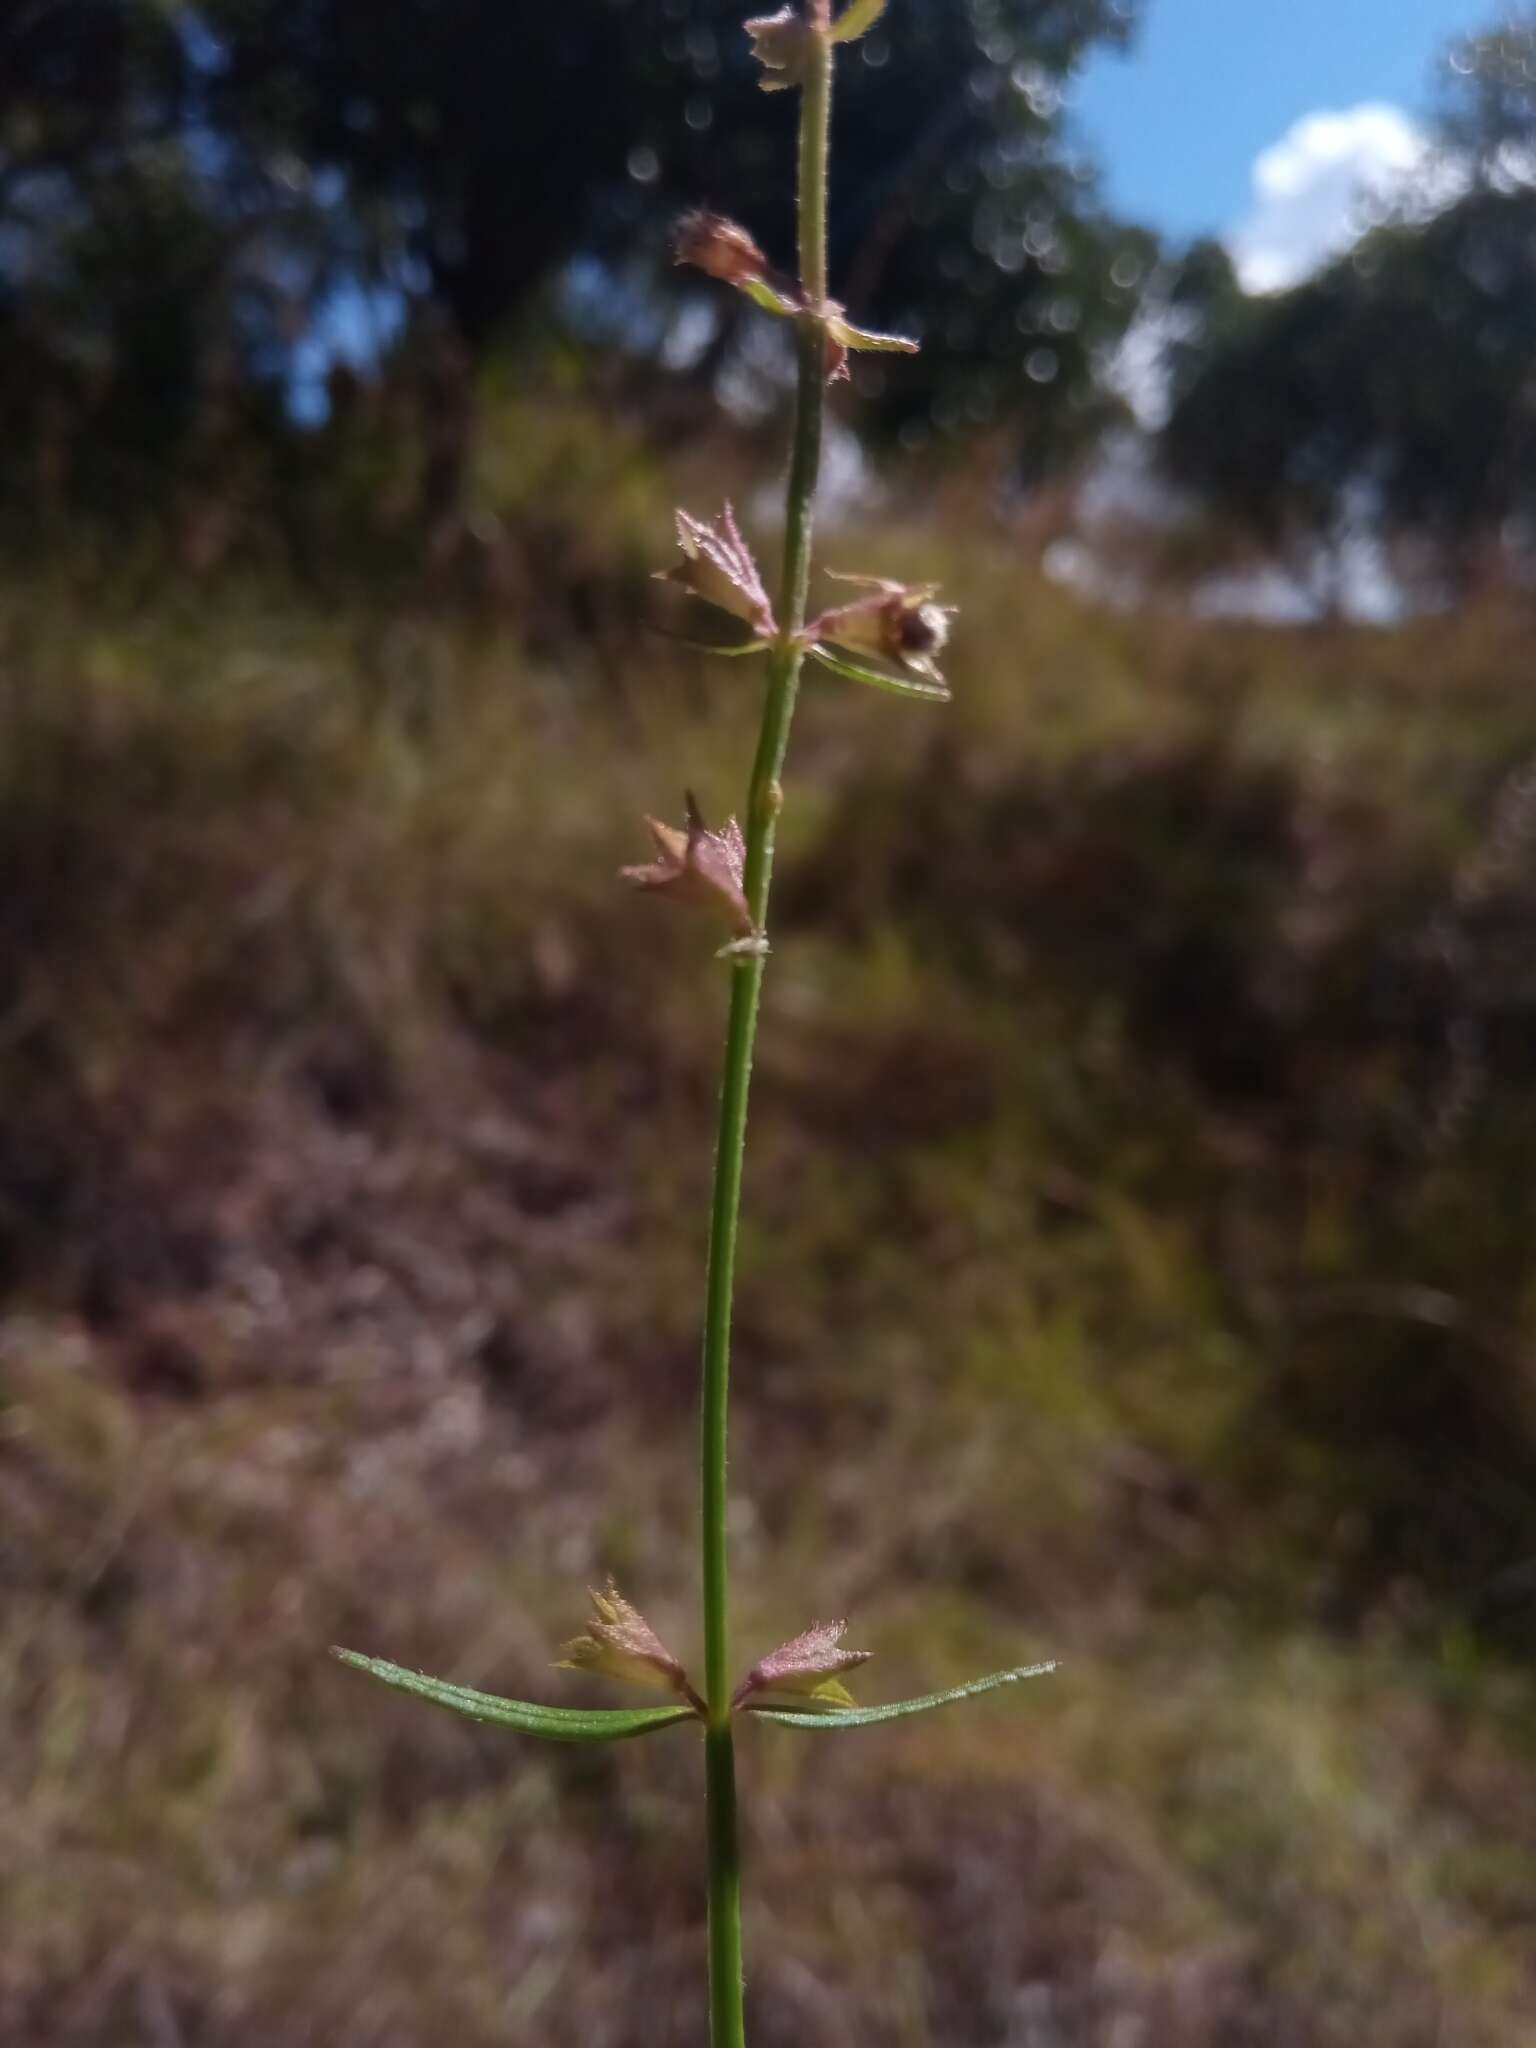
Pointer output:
x,y
1321,185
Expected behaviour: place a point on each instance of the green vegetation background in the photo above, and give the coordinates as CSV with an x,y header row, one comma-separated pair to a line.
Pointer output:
x,y
1137,1270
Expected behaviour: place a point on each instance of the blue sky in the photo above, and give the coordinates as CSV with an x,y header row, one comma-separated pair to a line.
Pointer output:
x,y
1210,84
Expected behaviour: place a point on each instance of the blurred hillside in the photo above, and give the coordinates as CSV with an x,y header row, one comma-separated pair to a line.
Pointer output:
x,y
1137,1269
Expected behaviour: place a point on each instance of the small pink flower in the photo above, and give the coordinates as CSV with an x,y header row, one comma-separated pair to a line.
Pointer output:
x,y
806,1665
620,1643
900,622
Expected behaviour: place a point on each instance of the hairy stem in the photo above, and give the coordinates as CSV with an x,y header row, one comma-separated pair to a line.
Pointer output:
x,y
727,2023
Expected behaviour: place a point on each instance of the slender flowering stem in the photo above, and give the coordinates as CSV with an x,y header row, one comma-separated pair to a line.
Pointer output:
x,y
727,2023
901,628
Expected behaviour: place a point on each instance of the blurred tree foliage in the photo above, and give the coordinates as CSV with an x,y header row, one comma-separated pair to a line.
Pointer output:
x,y
1488,98
154,278
495,143
93,98
189,192
83,83
1393,391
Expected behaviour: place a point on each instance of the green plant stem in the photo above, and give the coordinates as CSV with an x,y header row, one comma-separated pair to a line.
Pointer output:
x,y
727,2021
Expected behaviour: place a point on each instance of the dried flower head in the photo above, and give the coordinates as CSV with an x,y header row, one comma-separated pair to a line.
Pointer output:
x,y
718,566
620,1643
781,43
807,1665
900,622
699,866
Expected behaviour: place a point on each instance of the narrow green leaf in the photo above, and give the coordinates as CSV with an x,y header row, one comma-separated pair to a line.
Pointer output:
x,y
856,20
860,1717
730,648
879,679
867,338
553,1724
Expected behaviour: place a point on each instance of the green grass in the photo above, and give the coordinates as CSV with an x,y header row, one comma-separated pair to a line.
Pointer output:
x,y
1136,1270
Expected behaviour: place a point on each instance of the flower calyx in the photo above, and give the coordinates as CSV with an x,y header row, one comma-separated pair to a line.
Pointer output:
x,y
719,567
783,43
699,866
805,1669
900,623
620,1643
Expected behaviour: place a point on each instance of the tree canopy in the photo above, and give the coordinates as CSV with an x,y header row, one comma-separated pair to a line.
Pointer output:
x,y
186,188
493,141
1395,389
1487,106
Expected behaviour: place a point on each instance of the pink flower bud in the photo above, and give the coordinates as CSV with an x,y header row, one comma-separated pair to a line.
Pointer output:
x,y
711,243
806,1665
724,249
717,566
620,1643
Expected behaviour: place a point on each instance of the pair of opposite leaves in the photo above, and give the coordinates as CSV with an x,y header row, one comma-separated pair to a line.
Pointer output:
x,y
796,1685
